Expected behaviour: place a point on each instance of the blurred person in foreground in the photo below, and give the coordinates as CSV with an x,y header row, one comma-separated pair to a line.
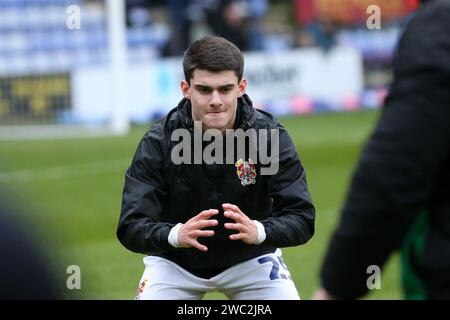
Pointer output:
x,y
399,198
25,274
215,225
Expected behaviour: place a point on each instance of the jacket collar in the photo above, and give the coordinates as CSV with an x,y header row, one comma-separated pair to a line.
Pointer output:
x,y
245,117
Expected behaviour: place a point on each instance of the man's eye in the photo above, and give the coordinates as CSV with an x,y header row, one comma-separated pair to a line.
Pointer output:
x,y
226,90
203,90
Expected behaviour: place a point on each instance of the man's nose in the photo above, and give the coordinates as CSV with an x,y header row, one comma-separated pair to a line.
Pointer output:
x,y
216,101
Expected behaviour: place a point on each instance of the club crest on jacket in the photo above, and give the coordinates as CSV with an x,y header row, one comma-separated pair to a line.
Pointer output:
x,y
246,171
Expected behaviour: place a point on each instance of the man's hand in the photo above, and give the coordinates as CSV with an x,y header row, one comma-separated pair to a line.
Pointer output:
x,y
192,229
248,231
322,294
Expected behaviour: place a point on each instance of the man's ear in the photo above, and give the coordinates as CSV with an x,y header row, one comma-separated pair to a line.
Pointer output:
x,y
185,89
242,87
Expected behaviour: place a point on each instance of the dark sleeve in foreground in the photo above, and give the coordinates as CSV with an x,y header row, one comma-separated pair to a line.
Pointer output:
x,y
293,213
401,161
25,274
140,228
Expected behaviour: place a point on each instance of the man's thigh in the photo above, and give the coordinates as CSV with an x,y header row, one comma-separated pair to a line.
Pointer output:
x,y
262,278
164,280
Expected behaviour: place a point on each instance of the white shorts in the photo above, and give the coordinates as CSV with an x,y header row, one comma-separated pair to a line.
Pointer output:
x,y
262,278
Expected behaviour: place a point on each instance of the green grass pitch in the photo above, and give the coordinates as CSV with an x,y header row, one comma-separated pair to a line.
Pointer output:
x,y
70,191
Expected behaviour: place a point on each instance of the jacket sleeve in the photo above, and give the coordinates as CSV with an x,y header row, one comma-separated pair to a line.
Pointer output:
x,y
400,164
140,226
293,213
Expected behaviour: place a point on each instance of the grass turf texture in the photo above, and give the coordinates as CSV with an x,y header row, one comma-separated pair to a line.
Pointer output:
x,y
70,191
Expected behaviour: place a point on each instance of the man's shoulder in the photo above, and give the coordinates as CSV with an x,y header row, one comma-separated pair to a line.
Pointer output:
x,y
162,127
431,22
157,137
265,120
425,41
441,6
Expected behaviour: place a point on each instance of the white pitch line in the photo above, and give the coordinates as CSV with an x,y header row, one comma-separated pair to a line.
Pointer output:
x,y
59,172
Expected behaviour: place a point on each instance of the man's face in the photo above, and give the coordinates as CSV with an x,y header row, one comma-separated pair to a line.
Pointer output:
x,y
213,97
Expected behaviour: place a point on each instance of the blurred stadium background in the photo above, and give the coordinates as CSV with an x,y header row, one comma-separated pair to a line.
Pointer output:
x,y
81,80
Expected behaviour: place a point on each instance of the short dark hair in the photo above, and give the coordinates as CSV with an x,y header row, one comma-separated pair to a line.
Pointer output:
x,y
213,54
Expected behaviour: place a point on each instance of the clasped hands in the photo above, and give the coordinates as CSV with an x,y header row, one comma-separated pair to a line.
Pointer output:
x,y
194,228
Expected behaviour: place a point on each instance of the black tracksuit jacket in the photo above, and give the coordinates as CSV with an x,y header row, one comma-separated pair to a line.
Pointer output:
x,y
404,171
159,194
